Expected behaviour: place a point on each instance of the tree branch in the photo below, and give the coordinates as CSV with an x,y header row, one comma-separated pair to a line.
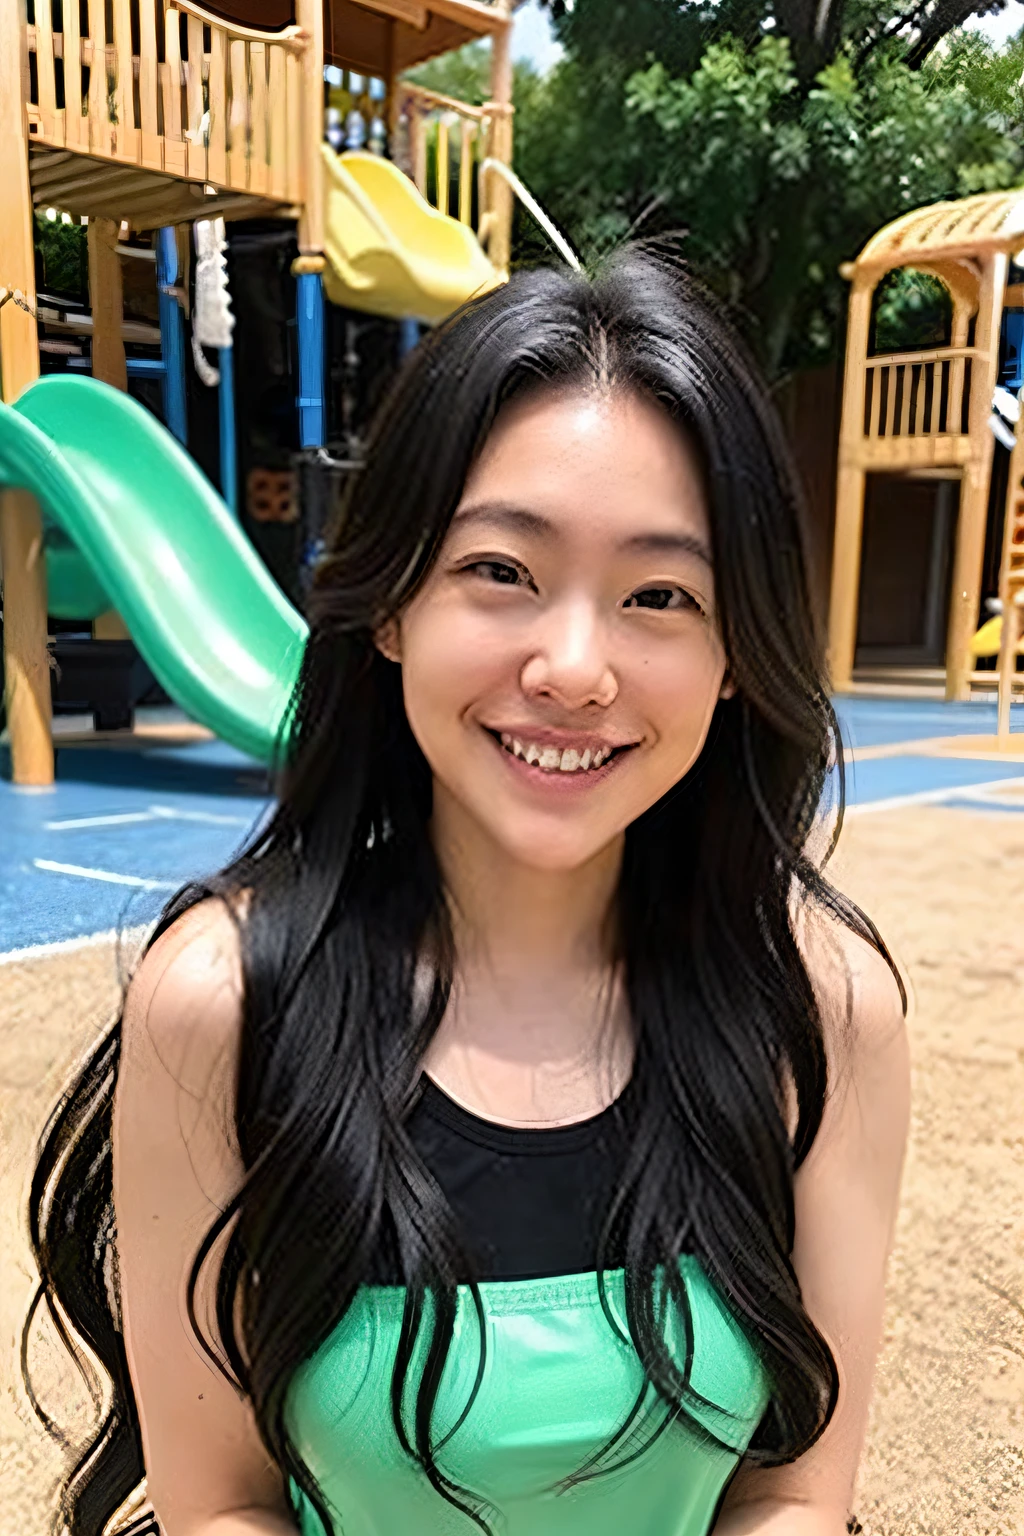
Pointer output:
x,y
945,18
871,42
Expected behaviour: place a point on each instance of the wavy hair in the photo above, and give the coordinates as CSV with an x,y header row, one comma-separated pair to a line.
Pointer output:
x,y
346,898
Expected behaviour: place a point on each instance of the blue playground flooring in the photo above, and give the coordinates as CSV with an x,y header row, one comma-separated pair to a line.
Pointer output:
x,y
126,825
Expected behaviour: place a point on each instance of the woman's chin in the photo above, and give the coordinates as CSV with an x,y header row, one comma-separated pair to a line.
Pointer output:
x,y
547,844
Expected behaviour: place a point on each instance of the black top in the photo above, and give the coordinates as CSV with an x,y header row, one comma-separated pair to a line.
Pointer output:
x,y
528,1203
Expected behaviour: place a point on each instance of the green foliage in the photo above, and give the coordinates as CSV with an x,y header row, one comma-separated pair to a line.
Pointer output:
x,y
912,310
774,158
464,74
61,249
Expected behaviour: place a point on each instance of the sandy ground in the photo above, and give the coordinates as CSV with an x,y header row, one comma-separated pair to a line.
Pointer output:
x,y
945,1455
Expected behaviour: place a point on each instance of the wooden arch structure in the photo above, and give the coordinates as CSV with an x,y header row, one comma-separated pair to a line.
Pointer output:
x,y
924,413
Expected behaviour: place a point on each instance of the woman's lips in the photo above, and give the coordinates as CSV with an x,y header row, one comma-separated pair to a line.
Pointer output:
x,y
554,766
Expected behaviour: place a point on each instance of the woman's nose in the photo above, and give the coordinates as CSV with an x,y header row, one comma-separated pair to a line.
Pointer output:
x,y
570,663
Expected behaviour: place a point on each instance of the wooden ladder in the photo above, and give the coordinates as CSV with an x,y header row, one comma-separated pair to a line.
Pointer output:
x,y
1011,583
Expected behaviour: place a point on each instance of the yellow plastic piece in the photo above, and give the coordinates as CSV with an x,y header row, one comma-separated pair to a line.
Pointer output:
x,y
388,252
989,638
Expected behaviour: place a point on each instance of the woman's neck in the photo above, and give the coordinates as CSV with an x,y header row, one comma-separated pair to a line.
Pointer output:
x,y
537,1029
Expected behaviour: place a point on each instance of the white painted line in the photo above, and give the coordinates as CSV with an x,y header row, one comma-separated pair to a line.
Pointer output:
x,y
117,820
169,813
929,796
69,946
52,867
155,813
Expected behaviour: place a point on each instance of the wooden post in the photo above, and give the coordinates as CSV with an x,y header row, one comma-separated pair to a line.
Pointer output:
x,y
846,549
1007,667
1011,585
106,295
393,104
19,346
26,664
499,195
310,16
969,555
26,661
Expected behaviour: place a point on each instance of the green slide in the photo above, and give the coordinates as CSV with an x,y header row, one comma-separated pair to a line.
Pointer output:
x,y
133,524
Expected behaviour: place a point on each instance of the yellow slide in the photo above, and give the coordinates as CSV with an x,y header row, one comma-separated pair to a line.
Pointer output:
x,y
388,252
989,638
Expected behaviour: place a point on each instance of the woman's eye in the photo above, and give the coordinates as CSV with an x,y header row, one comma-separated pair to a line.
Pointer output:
x,y
501,571
662,598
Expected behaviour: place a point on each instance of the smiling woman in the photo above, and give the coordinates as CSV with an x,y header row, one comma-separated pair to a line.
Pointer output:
x,y
510,1138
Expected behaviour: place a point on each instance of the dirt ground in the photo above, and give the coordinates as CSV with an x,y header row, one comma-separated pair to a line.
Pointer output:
x,y
945,1454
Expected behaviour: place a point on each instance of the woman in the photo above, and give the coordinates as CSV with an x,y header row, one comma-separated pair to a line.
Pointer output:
x,y
510,1138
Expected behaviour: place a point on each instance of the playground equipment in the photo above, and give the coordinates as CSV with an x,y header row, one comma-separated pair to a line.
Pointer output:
x,y
145,115
387,250
1011,584
210,621
926,414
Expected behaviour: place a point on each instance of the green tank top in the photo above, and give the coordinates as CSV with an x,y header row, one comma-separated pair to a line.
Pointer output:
x,y
557,1384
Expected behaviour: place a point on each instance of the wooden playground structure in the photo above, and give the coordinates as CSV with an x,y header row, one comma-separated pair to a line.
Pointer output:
x,y
145,115
925,415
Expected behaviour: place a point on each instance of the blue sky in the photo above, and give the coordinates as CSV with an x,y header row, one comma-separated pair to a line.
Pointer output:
x,y
532,37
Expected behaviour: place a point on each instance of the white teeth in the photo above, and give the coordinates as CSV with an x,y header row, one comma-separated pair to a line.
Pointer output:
x,y
555,759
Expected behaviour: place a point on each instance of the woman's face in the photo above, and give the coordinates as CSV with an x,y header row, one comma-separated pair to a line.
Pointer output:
x,y
562,660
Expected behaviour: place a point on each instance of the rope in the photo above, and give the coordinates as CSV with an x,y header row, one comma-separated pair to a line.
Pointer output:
x,y
18,299
529,202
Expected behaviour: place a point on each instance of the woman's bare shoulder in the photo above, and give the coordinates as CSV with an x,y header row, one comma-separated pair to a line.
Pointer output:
x,y
859,996
184,1003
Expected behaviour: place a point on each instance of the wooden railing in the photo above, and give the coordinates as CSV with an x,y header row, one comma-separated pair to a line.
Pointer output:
x,y
169,88
442,144
918,394
434,131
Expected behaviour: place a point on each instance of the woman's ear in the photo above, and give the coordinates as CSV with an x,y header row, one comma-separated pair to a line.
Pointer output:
x,y
388,640
728,688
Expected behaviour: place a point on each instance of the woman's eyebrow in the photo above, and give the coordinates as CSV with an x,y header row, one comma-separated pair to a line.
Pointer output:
x,y
502,514
669,543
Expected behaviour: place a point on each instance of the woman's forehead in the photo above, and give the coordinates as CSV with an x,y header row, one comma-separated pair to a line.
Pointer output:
x,y
607,462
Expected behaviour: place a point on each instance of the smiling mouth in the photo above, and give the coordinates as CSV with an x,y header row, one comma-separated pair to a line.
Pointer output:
x,y
558,760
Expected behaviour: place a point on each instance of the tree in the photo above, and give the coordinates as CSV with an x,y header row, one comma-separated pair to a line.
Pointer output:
x,y
464,74
777,135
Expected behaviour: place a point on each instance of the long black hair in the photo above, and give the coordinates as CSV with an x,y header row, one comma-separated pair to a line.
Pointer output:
x,y
346,898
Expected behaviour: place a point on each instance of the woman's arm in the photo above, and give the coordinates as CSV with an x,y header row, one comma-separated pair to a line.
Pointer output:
x,y
846,1197
176,1166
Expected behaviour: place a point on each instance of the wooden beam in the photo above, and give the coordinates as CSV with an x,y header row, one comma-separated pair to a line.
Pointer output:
x,y
107,299
48,160
310,16
410,12
846,548
82,325
26,661
499,193
114,180
969,554
19,352
480,17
